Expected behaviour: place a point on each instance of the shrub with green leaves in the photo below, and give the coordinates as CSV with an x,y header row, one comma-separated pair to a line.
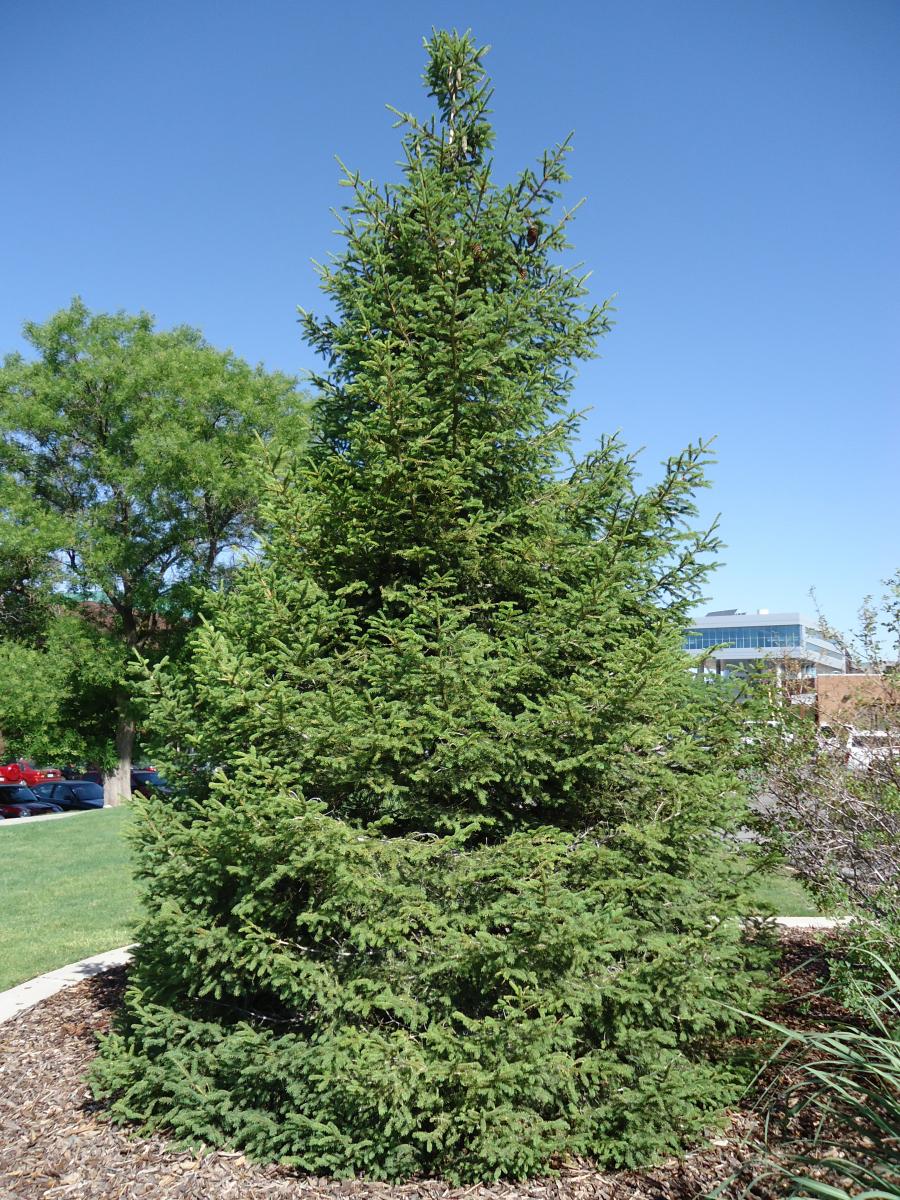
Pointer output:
x,y
447,885
836,815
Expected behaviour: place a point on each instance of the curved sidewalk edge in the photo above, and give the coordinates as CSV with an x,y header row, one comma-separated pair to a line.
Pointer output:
x,y
24,995
811,922
21,822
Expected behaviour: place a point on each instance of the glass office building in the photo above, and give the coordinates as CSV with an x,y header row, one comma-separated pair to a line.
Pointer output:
x,y
726,640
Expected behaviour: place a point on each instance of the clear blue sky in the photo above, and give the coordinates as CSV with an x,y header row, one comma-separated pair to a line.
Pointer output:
x,y
740,160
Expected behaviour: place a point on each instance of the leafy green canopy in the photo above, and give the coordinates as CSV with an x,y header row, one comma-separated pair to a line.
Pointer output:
x,y
129,478
447,885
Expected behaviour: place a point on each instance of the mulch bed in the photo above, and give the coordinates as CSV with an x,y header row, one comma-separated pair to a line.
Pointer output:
x,y
53,1146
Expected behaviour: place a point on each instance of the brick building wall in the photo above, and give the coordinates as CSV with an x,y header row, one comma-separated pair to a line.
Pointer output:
x,y
866,701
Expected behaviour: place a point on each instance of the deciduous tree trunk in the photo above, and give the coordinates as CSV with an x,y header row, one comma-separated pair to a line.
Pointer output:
x,y
117,783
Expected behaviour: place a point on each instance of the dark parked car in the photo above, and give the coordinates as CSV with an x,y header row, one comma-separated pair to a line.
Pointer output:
x,y
149,781
71,794
17,800
145,780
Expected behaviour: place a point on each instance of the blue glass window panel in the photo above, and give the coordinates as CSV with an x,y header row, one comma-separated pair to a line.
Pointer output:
x,y
746,637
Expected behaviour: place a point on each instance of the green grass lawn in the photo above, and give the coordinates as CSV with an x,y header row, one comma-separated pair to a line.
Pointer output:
x,y
785,895
67,892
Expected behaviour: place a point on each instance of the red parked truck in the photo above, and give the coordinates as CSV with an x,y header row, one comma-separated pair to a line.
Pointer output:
x,y
27,773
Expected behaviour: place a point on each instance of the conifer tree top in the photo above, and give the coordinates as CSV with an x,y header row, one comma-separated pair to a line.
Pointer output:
x,y
458,83
454,341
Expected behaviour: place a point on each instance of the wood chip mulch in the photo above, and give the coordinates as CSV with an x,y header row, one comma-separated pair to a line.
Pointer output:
x,y
54,1147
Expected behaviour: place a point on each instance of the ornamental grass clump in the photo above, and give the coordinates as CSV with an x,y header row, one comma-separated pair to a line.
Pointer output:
x,y
447,886
832,1108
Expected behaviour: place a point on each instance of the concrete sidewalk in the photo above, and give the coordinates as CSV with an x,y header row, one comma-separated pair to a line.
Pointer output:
x,y
78,812
24,995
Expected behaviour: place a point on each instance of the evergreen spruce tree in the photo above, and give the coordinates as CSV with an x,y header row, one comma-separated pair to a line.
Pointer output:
x,y
446,886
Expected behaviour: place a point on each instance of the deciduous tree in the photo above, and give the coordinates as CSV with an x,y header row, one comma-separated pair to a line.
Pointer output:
x,y
129,478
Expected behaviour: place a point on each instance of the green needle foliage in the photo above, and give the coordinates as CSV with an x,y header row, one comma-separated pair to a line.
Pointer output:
x,y
447,885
